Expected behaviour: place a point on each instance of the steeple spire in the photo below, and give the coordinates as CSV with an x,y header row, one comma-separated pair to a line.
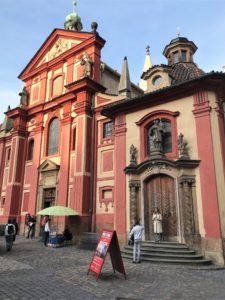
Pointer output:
x,y
73,21
147,66
148,61
125,84
74,6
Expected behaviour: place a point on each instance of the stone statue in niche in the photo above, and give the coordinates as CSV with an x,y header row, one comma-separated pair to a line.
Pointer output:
x,y
133,155
23,97
87,62
156,136
182,146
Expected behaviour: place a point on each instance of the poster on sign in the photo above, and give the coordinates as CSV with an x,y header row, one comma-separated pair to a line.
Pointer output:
x,y
108,242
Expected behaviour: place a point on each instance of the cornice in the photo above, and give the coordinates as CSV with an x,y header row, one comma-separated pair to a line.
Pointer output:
x,y
85,84
208,82
162,163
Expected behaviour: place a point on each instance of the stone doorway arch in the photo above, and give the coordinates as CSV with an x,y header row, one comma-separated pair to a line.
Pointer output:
x,y
160,191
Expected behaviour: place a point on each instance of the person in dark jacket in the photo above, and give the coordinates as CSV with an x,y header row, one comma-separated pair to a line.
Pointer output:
x,y
14,222
67,234
9,233
31,226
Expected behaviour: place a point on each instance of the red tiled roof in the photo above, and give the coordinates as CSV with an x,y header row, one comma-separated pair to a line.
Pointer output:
x,y
184,71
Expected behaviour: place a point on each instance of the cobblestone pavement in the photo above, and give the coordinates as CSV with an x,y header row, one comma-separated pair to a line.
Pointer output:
x,y
32,271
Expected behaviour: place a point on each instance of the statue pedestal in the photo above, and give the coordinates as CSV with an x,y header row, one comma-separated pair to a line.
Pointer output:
x,y
156,154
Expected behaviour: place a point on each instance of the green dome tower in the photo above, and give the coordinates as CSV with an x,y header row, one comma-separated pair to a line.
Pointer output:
x,y
73,21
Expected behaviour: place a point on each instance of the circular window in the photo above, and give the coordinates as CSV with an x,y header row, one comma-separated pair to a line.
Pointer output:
x,y
157,80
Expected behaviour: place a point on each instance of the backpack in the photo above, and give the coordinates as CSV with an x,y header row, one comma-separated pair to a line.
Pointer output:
x,y
131,240
10,229
43,221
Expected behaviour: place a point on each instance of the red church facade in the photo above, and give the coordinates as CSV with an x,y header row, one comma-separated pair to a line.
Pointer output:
x,y
85,137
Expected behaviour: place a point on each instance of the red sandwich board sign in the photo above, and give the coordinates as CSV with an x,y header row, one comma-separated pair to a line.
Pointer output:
x,y
108,242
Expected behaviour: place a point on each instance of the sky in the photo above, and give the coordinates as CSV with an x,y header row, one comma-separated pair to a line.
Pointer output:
x,y
128,26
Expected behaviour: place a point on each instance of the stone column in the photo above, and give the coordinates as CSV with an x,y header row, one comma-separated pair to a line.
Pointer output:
x,y
134,214
190,231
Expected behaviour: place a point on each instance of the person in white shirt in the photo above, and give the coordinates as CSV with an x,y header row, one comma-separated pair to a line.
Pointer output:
x,y
137,231
46,231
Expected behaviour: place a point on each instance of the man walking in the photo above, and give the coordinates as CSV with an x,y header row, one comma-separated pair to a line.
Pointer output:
x,y
137,230
10,231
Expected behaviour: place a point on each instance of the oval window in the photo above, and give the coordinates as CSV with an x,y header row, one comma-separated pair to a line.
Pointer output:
x,y
157,80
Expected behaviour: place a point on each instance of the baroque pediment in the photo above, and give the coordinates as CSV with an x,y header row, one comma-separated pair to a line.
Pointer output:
x,y
58,42
48,165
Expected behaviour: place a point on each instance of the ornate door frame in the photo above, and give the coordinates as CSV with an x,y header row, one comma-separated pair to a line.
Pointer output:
x,y
160,190
182,171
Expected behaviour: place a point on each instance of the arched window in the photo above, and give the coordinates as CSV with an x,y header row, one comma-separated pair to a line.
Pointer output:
x,y
160,132
30,150
74,139
53,137
57,86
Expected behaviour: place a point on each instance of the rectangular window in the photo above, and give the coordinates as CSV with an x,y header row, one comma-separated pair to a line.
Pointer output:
x,y
107,130
8,154
49,197
184,56
74,139
57,86
175,57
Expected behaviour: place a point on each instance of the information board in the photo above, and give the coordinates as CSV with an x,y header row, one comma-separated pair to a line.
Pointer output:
x,y
108,242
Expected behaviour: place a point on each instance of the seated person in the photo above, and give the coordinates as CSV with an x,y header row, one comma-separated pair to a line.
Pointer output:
x,y
67,234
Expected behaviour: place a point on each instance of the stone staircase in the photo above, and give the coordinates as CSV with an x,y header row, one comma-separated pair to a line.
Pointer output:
x,y
167,253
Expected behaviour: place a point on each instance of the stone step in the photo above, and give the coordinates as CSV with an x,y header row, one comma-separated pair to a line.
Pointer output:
x,y
167,252
194,262
165,255
165,242
163,251
163,246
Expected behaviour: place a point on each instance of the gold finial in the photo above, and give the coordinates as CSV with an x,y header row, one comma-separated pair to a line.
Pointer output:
x,y
148,49
178,31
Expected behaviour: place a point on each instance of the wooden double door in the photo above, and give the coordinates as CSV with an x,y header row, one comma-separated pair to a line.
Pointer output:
x,y
160,192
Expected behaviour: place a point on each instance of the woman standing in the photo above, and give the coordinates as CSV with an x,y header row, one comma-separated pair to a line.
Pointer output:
x,y
157,223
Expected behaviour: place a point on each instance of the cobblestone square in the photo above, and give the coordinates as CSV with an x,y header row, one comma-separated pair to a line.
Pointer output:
x,y
32,271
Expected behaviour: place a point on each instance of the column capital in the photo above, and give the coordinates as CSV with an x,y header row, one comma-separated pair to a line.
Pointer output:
x,y
134,183
187,179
